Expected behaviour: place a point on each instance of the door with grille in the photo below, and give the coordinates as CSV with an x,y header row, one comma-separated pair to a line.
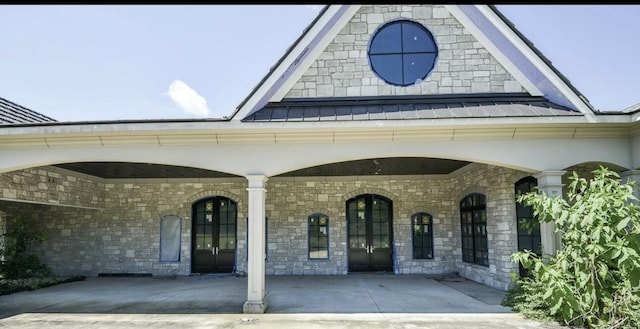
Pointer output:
x,y
214,235
370,236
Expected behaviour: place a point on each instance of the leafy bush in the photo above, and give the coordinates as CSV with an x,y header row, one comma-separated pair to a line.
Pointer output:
x,y
594,281
19,263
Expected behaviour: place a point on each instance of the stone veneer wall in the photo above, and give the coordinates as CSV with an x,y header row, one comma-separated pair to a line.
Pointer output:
x,y
290,201
463,64
134,208
122,235
52,186
498,185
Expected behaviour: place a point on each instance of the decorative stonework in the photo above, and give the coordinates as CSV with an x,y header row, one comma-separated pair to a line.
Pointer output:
x,y
123,235
463,65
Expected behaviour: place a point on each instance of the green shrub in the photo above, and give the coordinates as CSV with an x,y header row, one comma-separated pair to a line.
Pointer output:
x,y
594,280
19,263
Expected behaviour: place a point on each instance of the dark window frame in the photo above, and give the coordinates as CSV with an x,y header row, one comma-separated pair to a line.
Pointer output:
x,y
379,57
525,213
473,209
316,219
426,249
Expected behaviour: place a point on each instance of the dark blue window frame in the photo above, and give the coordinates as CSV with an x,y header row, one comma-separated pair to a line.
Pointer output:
x,y
422,235
473,227
317,240
402,52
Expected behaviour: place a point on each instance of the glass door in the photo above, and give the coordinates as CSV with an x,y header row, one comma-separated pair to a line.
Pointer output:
x,y
370,233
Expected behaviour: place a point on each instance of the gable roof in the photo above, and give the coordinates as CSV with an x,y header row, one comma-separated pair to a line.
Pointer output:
x,y
491,29
12,113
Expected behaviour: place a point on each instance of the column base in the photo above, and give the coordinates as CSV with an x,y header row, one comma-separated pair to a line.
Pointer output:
x,y
254,307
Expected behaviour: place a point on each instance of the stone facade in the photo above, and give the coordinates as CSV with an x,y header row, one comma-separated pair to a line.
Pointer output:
x,y
66,188
463,65
96,225
120,232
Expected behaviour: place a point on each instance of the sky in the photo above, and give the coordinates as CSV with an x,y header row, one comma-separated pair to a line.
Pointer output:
x,y
110,62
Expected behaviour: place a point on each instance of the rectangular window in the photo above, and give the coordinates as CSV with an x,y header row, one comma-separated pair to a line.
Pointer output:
x,y
422,226
170,227
318,237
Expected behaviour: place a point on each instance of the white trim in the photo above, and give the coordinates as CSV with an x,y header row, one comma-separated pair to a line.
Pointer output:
x,y
287,133
494,50
210,133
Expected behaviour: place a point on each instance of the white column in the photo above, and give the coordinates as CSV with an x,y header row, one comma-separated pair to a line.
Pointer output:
x,y
256,302
550,182
632,175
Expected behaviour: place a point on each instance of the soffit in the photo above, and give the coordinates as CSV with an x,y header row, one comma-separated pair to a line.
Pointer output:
x,y
363,167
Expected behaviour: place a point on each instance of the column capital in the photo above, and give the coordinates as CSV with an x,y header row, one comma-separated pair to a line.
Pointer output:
x,y
257,181
550,177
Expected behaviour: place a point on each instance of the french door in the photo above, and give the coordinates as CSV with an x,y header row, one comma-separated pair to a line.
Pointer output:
x,y
370,236
214,235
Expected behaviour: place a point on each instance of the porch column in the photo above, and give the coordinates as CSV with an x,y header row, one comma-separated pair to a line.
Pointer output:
x,y
550,182
632,175
256,302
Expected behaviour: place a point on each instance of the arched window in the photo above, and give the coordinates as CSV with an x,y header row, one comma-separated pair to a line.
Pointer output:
x,y
422,232
318,236
473,222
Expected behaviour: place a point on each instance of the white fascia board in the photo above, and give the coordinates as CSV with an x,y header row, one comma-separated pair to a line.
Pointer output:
x,y
300,56
209,128
113,128
312,132
546,79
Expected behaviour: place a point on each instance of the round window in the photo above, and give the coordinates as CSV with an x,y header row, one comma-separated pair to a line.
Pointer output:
x,y
402,52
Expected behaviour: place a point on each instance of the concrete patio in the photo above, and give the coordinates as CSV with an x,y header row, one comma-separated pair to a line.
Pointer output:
x,y
215,301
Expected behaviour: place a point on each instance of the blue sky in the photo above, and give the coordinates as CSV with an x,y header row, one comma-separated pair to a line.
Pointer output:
x,y
84,63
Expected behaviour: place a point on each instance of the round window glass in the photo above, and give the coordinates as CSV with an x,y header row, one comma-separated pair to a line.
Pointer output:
x,y
402,52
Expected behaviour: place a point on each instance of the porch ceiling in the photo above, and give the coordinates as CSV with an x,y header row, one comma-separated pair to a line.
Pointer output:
x,y
139,170
379,166
382,166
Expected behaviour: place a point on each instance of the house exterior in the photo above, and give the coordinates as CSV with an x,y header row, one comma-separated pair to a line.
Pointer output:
x,y
387,138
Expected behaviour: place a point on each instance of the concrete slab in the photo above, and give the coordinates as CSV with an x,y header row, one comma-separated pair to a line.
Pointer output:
x,y
215,301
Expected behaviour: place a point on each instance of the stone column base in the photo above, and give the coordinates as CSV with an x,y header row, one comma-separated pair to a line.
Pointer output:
x,y
254,307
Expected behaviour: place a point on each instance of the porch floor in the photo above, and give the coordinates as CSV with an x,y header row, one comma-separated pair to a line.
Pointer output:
x,y
305,298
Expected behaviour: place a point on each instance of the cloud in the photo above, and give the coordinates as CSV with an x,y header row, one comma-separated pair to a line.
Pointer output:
x,y
187,99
